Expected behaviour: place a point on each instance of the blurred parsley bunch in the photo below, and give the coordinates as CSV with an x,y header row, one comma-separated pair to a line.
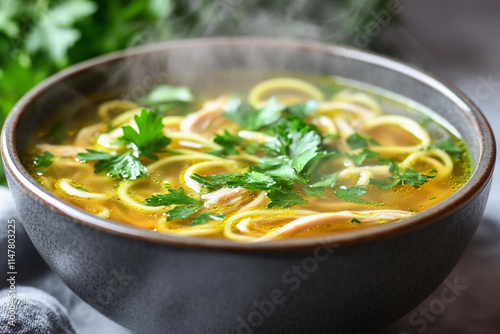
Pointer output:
x,y
40,37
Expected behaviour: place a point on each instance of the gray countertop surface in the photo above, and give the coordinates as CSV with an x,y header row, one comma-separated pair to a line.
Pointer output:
x,y
459,41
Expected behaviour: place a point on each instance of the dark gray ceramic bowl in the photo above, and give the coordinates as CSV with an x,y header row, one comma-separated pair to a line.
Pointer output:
x,y
152,283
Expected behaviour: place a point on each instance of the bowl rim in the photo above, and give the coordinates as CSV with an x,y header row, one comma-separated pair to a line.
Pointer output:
x,y
480,176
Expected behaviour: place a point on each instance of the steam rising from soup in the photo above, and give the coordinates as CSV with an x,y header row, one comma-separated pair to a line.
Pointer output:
x,y
286,158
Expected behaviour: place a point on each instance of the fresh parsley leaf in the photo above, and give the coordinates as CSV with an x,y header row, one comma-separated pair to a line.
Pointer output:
x,y
326,181
228,143
57,134
450,147
295,146
173,197
303,147
92,155
182,212
252,180
314,191
125,166
354,220
356,141
144,143
409,176
415,179
284,199
166,93
358,159
253,148
150,138
385,184
278,167
351,194
310,171
218,181
42,161
332,136
301,110
205,217
251,118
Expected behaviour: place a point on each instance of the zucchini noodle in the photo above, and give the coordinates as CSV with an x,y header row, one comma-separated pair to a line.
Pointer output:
x,y
125,198
66,186
257,95
372,217
404,123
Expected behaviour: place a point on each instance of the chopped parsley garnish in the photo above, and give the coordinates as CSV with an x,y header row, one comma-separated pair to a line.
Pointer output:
x,y
165,93
352,194
173,197
284,199
42,161
148,140
358,159
251,181
293,155
228,143
295,152
185,206
354,220
332,136
251,118
356,141
301,110
182,212
314,191
450,147
409,176
205,217
125,166
326,181
57,134
432,198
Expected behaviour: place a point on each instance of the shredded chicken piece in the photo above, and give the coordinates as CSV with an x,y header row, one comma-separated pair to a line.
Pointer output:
x,y
207,120
225,196
86,136
304,223
344,127
61,150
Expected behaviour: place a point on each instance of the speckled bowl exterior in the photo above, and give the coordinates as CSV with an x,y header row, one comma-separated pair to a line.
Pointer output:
x,y
152,283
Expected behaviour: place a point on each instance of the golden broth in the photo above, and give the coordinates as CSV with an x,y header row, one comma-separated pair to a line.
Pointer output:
x,y
342,113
